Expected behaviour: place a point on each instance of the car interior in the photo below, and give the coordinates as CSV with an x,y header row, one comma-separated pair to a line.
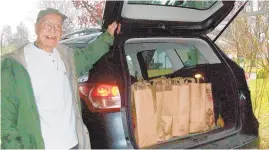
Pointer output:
x,y
174,57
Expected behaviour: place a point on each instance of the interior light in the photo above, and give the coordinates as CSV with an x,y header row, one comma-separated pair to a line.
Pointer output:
x,y
198,76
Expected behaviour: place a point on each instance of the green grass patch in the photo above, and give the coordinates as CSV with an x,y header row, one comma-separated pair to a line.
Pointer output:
x,y
159,72
260,102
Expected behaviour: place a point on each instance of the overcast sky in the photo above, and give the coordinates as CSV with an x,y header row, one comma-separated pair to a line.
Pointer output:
x,y
12,12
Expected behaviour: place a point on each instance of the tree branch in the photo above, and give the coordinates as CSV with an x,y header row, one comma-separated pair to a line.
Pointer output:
x,y
87,6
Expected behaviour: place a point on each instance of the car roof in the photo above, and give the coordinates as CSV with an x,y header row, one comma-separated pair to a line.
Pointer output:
x,y
81,38
80,33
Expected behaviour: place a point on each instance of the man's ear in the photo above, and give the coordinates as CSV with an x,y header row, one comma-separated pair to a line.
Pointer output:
x,y
36,28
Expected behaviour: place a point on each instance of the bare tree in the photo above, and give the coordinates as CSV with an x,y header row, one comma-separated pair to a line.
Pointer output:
x,y
263,22
91,12
10,41
5,40
248,38
5,35
81,13
21,36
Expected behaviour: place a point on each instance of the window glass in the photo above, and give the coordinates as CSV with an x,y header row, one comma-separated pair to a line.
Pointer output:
x,y
194,4
190,56
158,62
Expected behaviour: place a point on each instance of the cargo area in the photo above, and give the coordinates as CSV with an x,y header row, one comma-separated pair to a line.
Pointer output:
x,y
181,64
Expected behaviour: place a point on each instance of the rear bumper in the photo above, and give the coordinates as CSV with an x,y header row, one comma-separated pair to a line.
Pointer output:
x,y
235,141
253,144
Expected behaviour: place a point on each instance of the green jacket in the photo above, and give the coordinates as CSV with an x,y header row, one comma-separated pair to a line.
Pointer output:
x,y
20,124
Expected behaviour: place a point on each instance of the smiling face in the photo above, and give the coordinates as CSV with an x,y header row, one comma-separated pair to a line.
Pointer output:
x,y
49,30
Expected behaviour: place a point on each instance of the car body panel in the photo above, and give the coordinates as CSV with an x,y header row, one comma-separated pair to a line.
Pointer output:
x,y
105,129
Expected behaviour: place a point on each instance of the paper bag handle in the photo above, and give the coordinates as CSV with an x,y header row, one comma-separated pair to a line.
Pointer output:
x,y
160,82
189,79
141,84
178,81
155,81
168,84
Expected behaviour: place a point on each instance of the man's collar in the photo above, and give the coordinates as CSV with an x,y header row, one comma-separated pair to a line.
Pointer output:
x,y
36,45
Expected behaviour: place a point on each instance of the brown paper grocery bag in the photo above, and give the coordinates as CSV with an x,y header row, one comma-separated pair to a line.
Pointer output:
x,y
210,116
197,107
133,107
168,109
158,88
145,115
203,126
167,127
181,102
168,105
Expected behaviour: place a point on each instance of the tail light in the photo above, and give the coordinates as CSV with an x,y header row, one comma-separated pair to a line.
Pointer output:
x,y
101,97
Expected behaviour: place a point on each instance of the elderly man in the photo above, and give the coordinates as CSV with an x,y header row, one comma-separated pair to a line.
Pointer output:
x,y
40,105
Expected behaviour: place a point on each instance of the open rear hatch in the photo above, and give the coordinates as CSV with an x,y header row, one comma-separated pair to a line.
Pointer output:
x,y
189,17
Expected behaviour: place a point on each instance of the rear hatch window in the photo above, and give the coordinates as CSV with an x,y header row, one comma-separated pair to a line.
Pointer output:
x,y
190,11
198,17
175,3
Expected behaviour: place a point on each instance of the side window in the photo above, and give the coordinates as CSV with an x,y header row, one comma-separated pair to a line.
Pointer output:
x,y
190,56
157,62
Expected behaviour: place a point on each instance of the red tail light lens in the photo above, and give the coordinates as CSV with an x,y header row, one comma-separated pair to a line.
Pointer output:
x,y
104,90
100,97
105,98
